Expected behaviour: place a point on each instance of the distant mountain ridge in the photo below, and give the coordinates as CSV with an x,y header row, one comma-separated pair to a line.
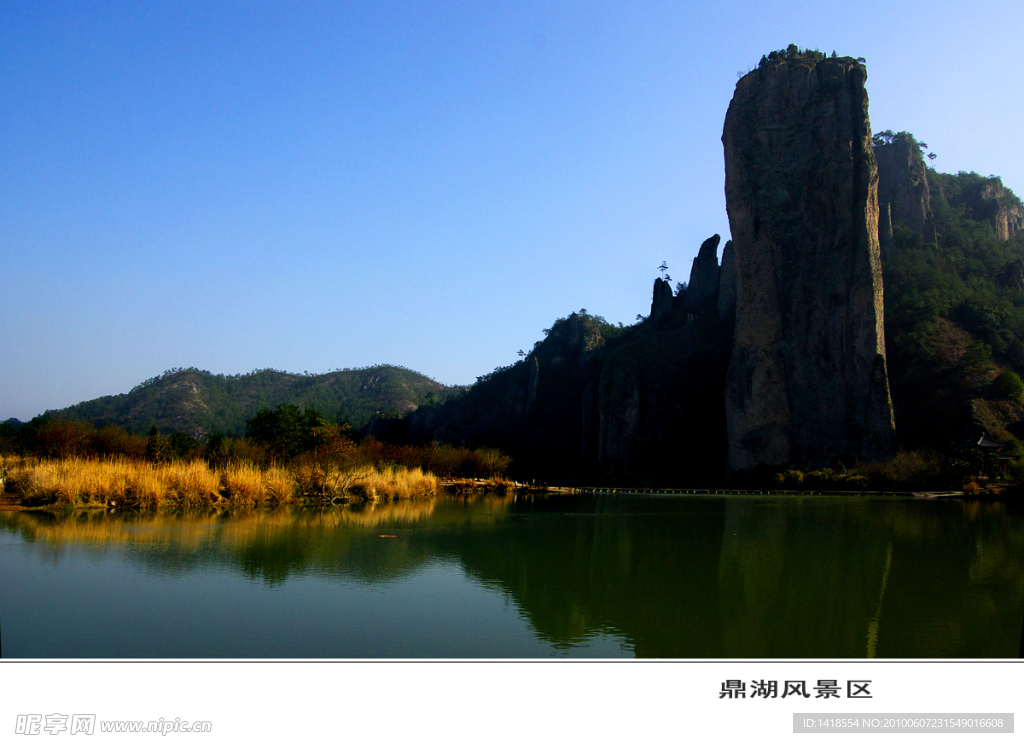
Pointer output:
x,y
199,402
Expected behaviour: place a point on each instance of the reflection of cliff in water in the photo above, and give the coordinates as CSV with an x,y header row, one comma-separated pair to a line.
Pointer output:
x,y
749,577
925,579
675,576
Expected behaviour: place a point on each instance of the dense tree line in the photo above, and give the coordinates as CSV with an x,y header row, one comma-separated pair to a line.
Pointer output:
x,y
285,435
792,52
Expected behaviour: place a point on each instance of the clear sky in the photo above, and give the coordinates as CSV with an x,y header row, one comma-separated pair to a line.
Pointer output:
x,y
310,186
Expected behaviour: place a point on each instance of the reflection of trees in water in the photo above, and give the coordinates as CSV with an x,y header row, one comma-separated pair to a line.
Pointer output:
x,y
763,577
678,577
270,545
631,566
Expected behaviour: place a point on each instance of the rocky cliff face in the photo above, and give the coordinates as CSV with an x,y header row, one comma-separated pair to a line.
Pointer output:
x,y
996,204
903,192
774,356
807,380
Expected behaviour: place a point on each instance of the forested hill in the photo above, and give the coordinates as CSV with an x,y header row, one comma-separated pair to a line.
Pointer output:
x,y
198,403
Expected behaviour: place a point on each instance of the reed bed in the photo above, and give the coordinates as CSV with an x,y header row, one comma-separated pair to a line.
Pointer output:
x,y
192,483
132,484
124,483
246,484
398,483
75,482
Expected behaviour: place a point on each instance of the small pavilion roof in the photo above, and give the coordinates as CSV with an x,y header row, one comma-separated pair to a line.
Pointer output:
x,y
982,442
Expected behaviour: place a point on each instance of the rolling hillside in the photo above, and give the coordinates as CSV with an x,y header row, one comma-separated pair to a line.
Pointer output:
x,y
199,402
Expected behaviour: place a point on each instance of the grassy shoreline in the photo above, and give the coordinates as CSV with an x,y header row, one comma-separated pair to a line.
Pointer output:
x,y
123,483
131,484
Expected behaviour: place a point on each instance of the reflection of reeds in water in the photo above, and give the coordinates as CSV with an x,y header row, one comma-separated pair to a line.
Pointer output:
x,y
105,527
373,514
194,529
267,544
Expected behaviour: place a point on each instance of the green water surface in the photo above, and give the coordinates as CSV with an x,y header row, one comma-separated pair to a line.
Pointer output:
x,y
541,576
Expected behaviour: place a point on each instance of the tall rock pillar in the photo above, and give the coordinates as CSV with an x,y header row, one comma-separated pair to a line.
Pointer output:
x,y
807,381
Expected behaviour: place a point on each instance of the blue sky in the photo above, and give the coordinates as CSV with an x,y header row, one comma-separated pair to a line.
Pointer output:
x,y
310,186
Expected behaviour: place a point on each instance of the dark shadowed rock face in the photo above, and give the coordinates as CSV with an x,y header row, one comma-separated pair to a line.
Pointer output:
x,y
660,396
903,192
659,402
661,302
727,285
703,285
807,381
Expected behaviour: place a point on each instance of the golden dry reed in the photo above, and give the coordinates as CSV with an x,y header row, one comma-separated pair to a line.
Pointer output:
x,y
76,482
398,483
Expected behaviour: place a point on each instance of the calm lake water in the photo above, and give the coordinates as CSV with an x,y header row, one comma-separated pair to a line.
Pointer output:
x,y
492,577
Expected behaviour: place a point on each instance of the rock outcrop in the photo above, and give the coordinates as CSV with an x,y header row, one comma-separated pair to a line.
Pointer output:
x,y
993,202
807,380
661,302
703,285
903,191
905,194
